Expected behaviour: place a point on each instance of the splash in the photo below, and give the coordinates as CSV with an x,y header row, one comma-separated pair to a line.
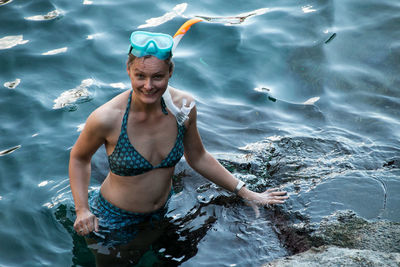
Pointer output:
x,y
11,41
176,11
70,97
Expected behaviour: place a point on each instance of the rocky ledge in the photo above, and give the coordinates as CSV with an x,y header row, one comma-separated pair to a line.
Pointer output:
x,y
329,256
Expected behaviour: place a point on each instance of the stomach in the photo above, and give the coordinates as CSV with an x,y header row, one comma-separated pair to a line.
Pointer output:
x,y
143,193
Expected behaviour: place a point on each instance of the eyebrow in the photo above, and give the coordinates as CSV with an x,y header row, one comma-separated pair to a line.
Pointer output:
x,y
157,73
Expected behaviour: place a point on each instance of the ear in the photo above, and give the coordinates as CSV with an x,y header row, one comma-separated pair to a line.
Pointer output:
x,y
128,69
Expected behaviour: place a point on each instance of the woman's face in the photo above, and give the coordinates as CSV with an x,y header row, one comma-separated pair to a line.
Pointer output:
x,y
149,77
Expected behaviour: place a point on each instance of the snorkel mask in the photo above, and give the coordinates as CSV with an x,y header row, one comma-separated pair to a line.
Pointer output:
x,y
162,46
159,45
149,43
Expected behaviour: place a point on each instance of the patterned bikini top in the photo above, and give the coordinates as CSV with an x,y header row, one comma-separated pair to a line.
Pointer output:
x,y
125,160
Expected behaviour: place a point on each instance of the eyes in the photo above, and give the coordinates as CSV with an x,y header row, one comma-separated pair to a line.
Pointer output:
x,y
157,77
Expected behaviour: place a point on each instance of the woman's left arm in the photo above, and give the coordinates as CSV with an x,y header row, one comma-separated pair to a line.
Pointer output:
x,y
205,164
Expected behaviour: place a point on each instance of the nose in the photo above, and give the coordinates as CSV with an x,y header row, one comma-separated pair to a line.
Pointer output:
x,y
148,84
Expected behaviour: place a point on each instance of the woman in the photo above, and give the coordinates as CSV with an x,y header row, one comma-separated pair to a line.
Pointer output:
x,y
143,151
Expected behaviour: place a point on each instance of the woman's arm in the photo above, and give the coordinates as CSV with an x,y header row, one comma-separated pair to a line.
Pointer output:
x,y
90,139
206,165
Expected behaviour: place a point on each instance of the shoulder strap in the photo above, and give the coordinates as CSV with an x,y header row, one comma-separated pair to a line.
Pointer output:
x,y
125,119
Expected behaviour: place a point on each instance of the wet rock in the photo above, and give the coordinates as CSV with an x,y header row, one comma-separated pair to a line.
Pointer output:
x,y
335,256
346,229
342,229
392,163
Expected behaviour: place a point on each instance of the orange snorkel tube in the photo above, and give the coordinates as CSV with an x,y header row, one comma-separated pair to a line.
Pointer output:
x,y
182,31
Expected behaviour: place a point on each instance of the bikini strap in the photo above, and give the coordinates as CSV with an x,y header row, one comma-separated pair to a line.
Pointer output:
x,y
163,106
125,119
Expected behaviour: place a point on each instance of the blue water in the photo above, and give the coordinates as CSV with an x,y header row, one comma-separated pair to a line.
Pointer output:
x,y
317,80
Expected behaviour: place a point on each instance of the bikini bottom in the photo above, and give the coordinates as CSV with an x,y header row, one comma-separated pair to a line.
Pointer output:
x,y
118,226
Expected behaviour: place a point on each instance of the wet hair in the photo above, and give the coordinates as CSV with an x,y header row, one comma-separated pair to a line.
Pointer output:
x,y
168,61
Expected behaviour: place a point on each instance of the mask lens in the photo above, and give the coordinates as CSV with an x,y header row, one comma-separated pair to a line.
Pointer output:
x,y
163,42
148,43
140,40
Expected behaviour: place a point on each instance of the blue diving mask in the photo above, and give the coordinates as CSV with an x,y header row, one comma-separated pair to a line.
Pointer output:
x,y
148,43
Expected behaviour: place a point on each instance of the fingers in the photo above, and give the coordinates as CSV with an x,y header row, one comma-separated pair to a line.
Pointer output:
x,y
254,206
256,210
85,225
271,196
273,191
96,224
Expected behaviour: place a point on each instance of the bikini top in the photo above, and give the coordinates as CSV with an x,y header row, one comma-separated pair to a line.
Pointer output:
x,y
125,160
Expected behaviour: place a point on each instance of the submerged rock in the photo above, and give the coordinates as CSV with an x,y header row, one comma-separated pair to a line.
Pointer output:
x,y
334,256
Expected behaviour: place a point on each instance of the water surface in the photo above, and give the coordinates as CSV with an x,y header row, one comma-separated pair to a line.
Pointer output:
x,y
316,80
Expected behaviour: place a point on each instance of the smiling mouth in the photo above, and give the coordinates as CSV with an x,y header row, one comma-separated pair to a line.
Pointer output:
x,y
151,93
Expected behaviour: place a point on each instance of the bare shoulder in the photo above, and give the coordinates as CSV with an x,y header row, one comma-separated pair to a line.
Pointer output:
x,y
106,117
178,96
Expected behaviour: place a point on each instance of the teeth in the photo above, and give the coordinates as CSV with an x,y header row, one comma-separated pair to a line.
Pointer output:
x,y
152,93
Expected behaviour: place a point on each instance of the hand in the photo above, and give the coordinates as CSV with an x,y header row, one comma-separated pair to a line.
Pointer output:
x,y
86,222
269,197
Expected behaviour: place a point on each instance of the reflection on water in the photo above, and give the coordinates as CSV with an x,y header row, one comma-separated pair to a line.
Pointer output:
x,y
237,19
13,84
49,16
176,11
9,150
11,41
68,98
55,51
3,2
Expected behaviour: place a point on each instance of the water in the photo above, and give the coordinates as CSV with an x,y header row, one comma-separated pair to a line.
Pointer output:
x,y
316,80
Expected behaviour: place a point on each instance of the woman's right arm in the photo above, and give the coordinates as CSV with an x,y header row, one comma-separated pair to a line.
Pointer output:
x,y
90,139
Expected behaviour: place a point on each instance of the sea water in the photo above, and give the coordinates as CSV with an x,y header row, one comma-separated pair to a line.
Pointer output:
x,y
318,79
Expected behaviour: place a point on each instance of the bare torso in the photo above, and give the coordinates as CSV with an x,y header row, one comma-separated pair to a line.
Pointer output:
x,y
153,136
